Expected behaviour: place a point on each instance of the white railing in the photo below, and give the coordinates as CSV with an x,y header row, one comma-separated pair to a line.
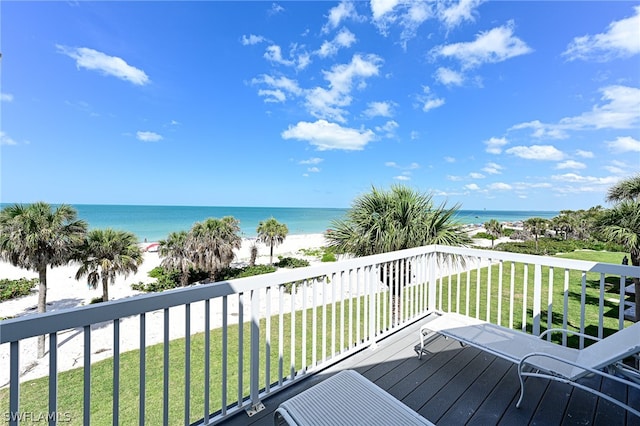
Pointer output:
x,y
236,342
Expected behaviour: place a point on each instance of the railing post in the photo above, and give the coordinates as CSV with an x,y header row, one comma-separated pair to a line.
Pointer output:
x,y
432,282
537,298
373,283
254,368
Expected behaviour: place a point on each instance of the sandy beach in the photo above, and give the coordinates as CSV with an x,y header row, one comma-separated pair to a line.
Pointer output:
x,y
65,292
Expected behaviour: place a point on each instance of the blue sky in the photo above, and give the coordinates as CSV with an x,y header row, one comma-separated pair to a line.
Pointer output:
x,y
493,105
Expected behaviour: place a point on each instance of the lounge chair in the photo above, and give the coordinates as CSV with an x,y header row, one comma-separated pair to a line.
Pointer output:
x,y
537,357
346,398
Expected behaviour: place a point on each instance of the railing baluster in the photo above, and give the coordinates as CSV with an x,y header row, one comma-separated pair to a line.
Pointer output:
x,y
116,371
550,303
292,349
623,283
240,347
207,358
468,295
267,357
342,302
512,282
500,272
187,363
537,298
165,393
601,307
14,382
254,375
314,324
281,335
565,317
525,295
225,353
583,301
53,377
87,375
142,371
479,264
333,312
324,323
304,324
489,290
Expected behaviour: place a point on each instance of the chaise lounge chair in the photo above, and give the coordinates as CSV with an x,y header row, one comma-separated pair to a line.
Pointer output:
x,y
537,357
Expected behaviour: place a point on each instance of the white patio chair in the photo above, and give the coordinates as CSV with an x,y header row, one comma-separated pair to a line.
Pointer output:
x,y
537,357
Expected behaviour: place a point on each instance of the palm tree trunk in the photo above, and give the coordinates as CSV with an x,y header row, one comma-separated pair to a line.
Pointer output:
x,y
271,255
42,303
105,289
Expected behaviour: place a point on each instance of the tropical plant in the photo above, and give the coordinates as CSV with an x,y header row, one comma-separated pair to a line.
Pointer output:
x,y
253,250
37,236
494,228
537,226
175,254
106,254
622,223
272,233
383,221
210,244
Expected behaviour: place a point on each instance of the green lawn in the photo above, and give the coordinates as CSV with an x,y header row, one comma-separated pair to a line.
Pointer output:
x,y
34,393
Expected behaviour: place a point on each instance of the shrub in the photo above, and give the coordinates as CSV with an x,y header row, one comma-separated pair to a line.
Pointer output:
x,y
328,257
11,289
483,235
291,262
96,300
247,271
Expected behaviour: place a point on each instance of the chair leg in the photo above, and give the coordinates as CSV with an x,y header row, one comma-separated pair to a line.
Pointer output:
x,y
521,389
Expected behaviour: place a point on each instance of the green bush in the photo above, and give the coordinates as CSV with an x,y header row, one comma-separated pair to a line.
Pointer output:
x,y
11,289
506,232
328,257
247,271
483,235
291,262
96,300
551,246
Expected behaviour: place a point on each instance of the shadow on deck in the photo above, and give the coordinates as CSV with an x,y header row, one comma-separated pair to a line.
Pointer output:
x,y
454,385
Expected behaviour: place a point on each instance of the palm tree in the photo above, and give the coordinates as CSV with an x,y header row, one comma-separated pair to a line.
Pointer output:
x,y
494,228
384,221
622,223
106,254
537,226
38,236
210,244
175,255
272,233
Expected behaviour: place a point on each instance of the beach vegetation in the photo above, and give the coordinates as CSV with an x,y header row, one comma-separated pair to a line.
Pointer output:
x,y
210,244
12,289
247,271
383,221
328,256
38,236
253,254
325,254
272,233
621,224
537,226
494,229
175,255
107,253
291,262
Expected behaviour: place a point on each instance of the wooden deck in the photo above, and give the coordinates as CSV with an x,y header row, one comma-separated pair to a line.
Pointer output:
x,y
454,385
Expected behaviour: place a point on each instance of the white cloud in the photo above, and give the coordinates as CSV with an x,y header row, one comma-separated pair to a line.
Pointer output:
x,y
148,136
429,101
496,45
379,8
542,131
339,14
494,145
6,139
402,177
109,65
571,164
379,109
412,166
449,159
274,54
252,39
536,152
6,97
414,135
279,88
275,9
388,128
472,187
584,154
621,40
624,144
476,175
344,39
492,168
313,170
330,103
272,95
500,186
459,11
314,160
327,136
454,178
449,77
576,178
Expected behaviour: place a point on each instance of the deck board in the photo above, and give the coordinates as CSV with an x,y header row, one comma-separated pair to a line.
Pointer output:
x,y
454,385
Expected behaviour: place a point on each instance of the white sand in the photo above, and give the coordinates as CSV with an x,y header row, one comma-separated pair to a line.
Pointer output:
x,y
65,292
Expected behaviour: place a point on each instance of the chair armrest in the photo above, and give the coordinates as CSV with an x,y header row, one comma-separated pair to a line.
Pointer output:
x,y
563,331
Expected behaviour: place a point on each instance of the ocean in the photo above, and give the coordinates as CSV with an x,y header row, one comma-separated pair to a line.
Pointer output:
x,y
154,223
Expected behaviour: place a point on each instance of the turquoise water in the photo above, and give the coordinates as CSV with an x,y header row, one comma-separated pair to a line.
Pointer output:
x,y
154,223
